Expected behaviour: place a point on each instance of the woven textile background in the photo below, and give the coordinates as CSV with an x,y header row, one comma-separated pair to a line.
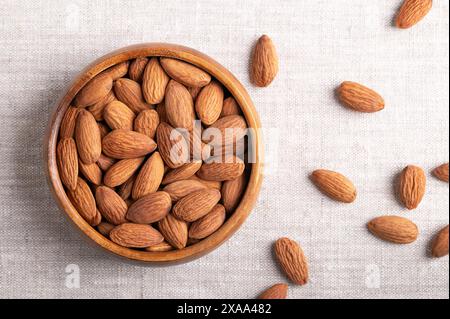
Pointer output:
x,y
320,43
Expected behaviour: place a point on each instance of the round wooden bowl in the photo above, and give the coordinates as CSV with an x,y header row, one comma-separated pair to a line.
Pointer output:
x,y
228,81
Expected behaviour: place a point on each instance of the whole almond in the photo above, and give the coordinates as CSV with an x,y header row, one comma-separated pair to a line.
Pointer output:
x,y
147,122
209,184
130,93
277,291
164,246
105,228
149,177
411,12
360,98
230,107
334,185
154,82
292,260
117,71
135,235
232,192
439,247
123,144
98,108
179,106
175,231
95,90
216,169
121,171
119,116
150,208
68,122
105,162
441,172
67,160
208,224
87,136
179,189
412,183
83,201
395,229
104,129
182,172
91,172
172,146
264,66
226,130
196,204
126,188
185,73
208,104
136,69
111,205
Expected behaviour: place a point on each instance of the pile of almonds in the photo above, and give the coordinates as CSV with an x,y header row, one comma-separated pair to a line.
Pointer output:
x,y
137,162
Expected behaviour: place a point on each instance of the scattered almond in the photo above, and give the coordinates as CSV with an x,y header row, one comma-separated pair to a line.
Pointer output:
x,y
412,186
360,98
411,12
439,246
292,260
395,229
441,172
264,66
334,185
277,291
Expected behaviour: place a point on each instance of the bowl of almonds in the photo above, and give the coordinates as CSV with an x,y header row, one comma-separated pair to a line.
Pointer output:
x,y
154,153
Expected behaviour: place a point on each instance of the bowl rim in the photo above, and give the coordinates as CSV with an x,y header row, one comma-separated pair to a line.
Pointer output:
x,y
228,80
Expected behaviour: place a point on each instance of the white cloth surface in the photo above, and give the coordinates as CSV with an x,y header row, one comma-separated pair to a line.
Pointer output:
x,y
320,43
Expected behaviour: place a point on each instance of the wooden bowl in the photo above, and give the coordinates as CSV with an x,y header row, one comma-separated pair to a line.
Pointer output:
x,y
228,81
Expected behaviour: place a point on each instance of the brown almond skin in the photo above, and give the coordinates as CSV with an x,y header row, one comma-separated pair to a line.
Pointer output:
x,y
164,246
126,188
208,104
98,108
105,228
185,73
135,235
208,224
174,151
130,93
104,129
136,69
91,172
230,107
412,184
111,205
87,137
277,291
149,177
359,97
179,106
232,192
150,208
161,110
196,205
121,171
67,160
395,229
411,12
264,65
117,71
232,128
216,169
68,122
122,144
179,189
95,90
154,82
209,184
181,173
147,122
292,260
84,201
119,116
175,231
105,162
334,185
441,172
194,91
439,247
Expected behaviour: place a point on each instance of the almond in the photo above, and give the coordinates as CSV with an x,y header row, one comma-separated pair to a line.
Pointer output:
x,y
232,192
182,172
441,172
136,69
196,205
277,291
360,98
154,82
126,188
91,172
292,260
179,189
411,12
97,219
119,116
130,93
147,122
208,224
334,185
121,171
105,228
395,229
150,208
83,201
198,150
123,144
95,90
105,162
104,129
149,177
226,130
175,231
164,246
161,110
87,136
264,66
98,108
172,146
68,122
439,247
208,104
135,235
412,184
230,107
215,169
111,205
67,159
209,184
179,106
117,71
185,73
194,91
